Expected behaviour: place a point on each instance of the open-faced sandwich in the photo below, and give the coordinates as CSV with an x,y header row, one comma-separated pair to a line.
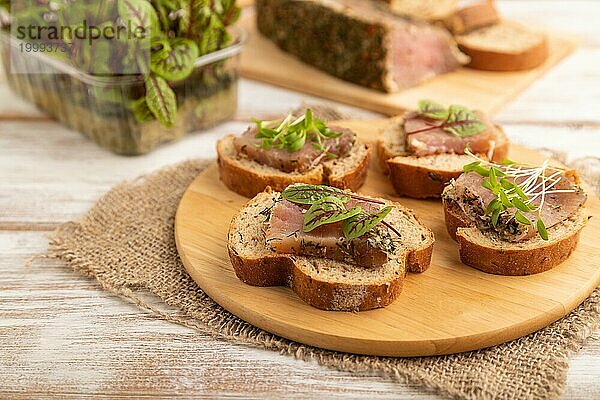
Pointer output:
x,y
425,149
337,250
514,219
295,149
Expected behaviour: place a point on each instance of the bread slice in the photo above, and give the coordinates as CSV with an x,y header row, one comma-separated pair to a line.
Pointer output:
x,y
323,283
425,176
489,253
472,17
427,10
247,177
506,46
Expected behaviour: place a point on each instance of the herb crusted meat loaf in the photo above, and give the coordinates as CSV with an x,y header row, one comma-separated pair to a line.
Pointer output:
x,y
359,41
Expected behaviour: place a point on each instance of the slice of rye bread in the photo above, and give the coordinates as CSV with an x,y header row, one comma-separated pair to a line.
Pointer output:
x,y
425,176
506,46
489,253
322,283
247,177
427,10
472,17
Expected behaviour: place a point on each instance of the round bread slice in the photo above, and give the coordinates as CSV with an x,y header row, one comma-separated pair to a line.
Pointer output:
x,y
506,46
247,177
489,253
323,283
424,176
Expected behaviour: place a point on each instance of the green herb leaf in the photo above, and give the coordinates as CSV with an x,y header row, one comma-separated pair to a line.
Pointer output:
x,y
541,227
308,194
362,223
504,199
494,204
175,60
493,178
486,183
327,210
496,215
140,110
471,166
432,110
522,219
506,184
519,204
161,100
463,122
293,132
139,15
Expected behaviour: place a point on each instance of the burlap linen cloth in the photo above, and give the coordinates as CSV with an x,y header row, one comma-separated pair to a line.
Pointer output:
x,y
126,243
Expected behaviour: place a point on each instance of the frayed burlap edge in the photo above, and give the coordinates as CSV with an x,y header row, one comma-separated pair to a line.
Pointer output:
x,y
109,245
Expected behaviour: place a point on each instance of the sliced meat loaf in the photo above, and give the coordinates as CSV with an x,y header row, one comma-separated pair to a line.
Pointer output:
x,y
359,41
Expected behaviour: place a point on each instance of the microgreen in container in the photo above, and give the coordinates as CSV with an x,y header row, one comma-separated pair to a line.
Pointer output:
x,y
132,92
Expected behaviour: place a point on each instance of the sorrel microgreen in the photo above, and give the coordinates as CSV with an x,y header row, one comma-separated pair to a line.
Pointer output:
x,y
327,205
457,120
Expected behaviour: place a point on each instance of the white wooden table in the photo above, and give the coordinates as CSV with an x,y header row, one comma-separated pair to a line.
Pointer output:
x,y
61,335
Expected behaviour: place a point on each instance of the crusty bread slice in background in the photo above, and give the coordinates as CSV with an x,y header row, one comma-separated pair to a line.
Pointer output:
x,y
489,253
427,10
323,283
426,176
472,17
506,46
247,177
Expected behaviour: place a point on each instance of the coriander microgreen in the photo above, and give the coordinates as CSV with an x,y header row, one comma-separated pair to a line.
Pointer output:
x,y
518,203
541,227
516,187
522,219
457,120
292,132
495,215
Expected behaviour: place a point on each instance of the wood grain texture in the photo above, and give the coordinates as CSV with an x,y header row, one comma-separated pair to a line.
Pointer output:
x,y
470,310
45,180
487,91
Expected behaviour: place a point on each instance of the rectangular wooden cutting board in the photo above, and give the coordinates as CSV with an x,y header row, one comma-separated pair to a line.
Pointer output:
x,y
484,90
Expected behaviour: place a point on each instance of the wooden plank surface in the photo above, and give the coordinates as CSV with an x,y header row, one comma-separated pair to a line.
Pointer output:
x,y
61,334
488,91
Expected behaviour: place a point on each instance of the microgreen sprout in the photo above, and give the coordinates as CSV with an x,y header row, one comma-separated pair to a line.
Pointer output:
x,y
292,132
456,120
518,187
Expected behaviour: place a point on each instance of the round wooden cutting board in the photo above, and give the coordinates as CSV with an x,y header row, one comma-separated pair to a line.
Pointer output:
x,y
449,308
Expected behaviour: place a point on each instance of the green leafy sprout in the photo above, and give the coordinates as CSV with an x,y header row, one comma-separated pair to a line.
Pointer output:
x,y
456,119
327,206
293,132
180,32
517,187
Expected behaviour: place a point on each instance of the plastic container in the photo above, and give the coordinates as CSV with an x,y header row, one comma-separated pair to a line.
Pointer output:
x,y
98,106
